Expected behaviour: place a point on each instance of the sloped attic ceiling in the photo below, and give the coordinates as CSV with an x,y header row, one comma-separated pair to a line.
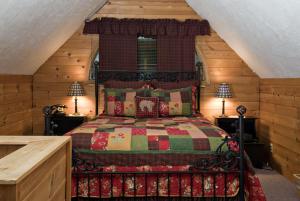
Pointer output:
x,y
32,30
265,33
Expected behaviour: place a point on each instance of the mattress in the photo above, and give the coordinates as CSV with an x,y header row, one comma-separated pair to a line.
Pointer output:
x,y
160,141
122,144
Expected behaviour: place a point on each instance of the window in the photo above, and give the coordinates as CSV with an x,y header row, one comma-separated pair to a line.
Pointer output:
x,y
92,68
146,54
199,65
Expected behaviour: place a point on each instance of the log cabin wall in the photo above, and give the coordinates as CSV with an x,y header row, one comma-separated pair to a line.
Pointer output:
x,y
71,62
280,122
15,104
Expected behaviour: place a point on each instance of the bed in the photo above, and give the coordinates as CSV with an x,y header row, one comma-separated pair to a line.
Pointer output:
x,y
158,157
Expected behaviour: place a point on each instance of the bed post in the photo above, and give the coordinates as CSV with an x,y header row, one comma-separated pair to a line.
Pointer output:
x,y
198,99
96,87
198,77
241,110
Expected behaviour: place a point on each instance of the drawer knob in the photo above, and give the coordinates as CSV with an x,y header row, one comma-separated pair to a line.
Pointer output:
x,y
54,125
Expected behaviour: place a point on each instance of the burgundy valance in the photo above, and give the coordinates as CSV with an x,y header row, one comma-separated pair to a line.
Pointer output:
x,y
147,27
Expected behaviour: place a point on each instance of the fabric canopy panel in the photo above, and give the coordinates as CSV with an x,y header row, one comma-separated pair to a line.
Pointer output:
x,y
118,52
175,42
145,27
175,53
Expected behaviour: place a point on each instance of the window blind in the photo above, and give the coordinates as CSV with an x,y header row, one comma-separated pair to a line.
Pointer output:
x,y
147,54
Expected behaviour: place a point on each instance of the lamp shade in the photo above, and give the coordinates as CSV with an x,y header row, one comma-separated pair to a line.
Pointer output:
x,y
224,91
76,90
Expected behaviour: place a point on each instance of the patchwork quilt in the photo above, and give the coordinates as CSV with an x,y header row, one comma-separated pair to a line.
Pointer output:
x,y
156,141
124,144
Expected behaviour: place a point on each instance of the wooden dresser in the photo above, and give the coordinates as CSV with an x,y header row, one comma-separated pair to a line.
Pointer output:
x,y
35,168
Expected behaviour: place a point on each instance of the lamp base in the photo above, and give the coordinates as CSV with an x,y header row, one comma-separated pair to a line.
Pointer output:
x,y
223,109
76,114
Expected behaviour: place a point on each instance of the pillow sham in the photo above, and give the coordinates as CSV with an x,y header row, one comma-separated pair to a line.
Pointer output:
x,y
177,85
147,107
121,102
175,102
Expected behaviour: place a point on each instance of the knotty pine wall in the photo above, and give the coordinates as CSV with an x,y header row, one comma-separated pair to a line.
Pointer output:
x,y
280,122
15,104
71,62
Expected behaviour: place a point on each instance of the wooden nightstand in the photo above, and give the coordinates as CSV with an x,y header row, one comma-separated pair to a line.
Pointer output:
x,y
59,125
230,125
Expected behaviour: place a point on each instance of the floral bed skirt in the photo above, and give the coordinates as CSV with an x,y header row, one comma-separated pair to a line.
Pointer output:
x,y
140,185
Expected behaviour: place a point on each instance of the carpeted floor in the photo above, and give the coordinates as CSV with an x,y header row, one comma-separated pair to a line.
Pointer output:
x,y
277,187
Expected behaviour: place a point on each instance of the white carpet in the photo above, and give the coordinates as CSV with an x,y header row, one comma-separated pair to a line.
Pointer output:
x,y
277,187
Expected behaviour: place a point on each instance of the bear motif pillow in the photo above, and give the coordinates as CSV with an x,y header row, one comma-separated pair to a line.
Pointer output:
x,y
147,107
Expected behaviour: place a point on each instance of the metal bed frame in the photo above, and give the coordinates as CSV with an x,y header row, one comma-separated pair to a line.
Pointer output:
x,y
221,162
166,76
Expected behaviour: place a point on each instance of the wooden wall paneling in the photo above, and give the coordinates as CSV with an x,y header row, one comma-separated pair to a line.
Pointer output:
x,y
15,104
148,9
72,61
280,123
224,65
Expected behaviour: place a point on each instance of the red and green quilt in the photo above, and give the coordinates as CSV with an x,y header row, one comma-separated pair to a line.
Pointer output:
x,y
124,144
147,141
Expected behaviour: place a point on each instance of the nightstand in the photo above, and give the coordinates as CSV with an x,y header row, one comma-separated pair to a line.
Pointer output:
x,y
257,153
255,150
231,125
59,125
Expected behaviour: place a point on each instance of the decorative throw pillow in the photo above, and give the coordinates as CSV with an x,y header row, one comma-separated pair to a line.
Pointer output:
x,y
147,107
121,102
176,85
175,102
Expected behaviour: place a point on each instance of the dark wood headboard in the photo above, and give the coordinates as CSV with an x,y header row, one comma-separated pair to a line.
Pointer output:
x,y
101,76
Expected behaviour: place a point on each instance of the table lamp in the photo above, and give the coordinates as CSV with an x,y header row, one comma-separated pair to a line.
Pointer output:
x,y
223,91
76,90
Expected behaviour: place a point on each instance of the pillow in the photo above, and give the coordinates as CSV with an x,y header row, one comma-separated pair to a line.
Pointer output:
x,y
147,107
181,84
175,102
121,102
